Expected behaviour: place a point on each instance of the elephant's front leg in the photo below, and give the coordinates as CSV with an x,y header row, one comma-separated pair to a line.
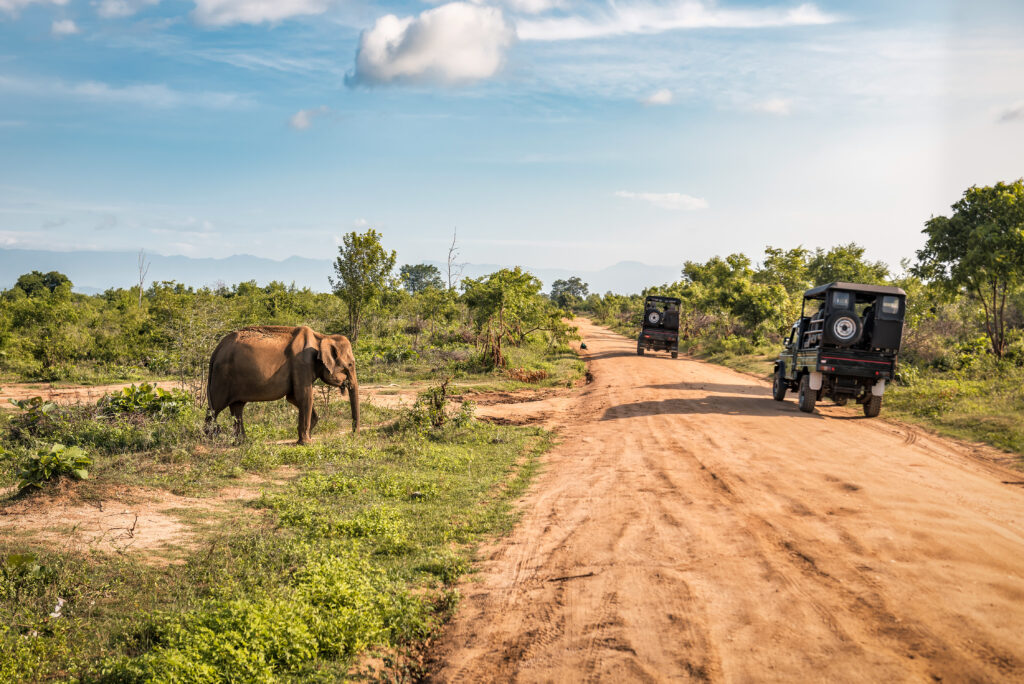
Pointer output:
x,y
304,402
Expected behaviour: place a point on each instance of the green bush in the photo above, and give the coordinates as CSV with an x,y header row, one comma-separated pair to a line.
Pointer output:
x,y
145,399
337,605
51,462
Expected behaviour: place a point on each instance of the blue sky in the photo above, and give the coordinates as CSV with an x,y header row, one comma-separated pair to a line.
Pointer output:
x,y
549,132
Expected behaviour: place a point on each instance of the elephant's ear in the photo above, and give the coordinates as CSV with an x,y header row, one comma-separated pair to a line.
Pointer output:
x,y
327,354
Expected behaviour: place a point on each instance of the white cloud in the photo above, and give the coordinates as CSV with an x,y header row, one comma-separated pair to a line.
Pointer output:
x,y
776,105
13,6
645,18
666,200
155,95
227,12
1014,112
529,6
63,27
451,44
658,97
113,9
303,119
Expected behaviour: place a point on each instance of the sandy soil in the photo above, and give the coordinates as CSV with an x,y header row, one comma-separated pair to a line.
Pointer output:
x,y
76,394
137,520
690,528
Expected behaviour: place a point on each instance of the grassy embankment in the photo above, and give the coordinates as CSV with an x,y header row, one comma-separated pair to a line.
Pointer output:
x,y
345,561
981,402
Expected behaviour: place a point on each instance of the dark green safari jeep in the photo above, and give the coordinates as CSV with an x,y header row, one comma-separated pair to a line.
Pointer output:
x,y
843,347
659,330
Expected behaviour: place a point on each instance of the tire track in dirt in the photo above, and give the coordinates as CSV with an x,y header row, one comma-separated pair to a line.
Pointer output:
x,y
699,531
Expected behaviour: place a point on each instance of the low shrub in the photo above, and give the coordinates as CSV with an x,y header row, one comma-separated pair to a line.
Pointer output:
x,y
51,462
145,399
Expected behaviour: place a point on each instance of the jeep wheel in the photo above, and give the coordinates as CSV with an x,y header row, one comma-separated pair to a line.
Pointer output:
x,y
654,317
639,351
807,396
779,385
675,355
873,406
843,328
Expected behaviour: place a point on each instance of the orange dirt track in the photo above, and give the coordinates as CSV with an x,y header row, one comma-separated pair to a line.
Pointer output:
x,y
688,527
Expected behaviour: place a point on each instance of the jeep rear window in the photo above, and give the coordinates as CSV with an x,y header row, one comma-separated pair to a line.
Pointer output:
x,y
891,305
840,300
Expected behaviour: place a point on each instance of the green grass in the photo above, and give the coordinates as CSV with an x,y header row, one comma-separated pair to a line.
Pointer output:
x,y
357,553
981,406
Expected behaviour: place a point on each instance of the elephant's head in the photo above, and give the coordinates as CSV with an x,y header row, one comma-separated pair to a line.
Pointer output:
x,y
337,368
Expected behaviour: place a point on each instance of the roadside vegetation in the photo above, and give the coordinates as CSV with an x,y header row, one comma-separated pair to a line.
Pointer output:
x,y
962,360
325,562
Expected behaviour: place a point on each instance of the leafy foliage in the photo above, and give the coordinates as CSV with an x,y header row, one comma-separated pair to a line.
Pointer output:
x,y
507,308
146,399
363,269
980,248
570,293
52,461
418,277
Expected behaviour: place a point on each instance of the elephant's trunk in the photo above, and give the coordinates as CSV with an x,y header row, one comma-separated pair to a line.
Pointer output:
x,y
353,399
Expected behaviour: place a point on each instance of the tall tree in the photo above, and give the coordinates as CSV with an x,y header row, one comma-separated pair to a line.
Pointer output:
x,y
980,248
418,277
845,263
363,269
507,307
35,282
569,293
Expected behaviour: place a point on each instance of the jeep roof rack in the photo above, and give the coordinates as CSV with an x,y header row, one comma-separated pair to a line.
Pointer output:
x,y
819,292
667,300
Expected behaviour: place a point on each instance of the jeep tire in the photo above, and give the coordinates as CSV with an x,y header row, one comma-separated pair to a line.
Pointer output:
x,y
675,355
639,351
807,396
843,329
873,406
653,317
779,384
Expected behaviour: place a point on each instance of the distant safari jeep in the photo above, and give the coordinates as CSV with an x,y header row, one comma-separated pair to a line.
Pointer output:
x,y
843,347
660,329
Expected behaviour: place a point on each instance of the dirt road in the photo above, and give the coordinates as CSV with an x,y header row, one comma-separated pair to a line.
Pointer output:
x,y
690,528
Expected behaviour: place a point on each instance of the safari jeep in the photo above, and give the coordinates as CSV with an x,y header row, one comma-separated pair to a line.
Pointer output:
x,y
660,329
845,349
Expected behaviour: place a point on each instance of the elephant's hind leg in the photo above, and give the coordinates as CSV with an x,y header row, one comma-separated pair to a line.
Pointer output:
x,y
236,411
210,427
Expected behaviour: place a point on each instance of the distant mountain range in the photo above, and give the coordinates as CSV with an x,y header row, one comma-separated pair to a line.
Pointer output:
x,y
94,272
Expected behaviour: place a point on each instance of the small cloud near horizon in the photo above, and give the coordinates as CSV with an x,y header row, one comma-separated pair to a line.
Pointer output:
x,y
674,201
658,97
1014,112
63,27
303,119
778,106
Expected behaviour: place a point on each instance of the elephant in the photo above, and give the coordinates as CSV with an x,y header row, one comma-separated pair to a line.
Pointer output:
x,y
267,362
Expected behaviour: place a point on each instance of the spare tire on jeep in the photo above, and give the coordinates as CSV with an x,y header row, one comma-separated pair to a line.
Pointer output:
x,y
843,329
653,317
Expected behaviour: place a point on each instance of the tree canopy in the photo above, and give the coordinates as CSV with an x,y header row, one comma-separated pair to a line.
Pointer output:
x,y
569,293
36,282
363,269
418,277
980,248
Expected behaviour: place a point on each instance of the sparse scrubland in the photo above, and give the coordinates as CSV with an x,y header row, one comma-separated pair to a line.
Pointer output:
x,y
313,563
